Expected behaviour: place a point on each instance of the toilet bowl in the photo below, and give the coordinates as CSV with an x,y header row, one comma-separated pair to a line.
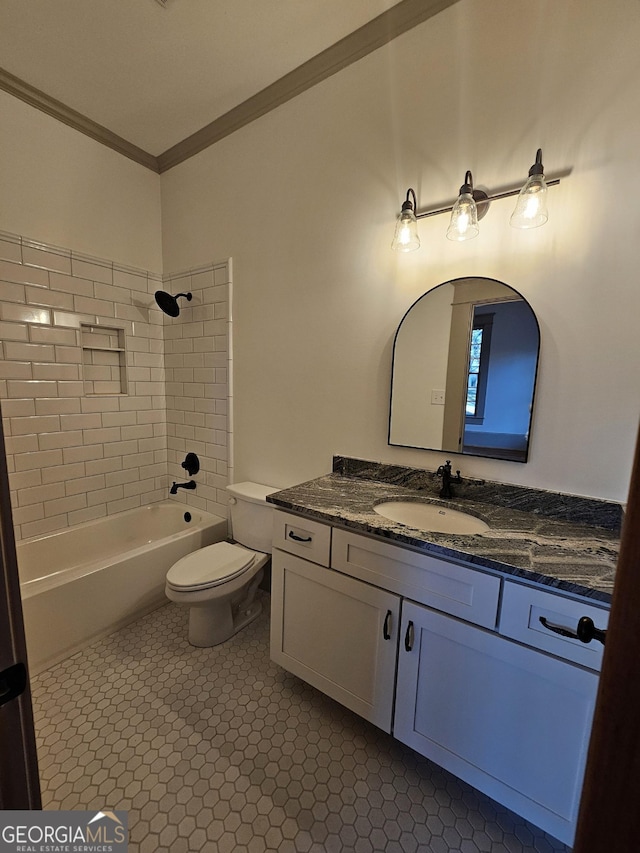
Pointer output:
x,y
219,583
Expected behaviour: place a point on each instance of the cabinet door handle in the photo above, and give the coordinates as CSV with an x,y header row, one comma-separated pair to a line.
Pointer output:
x,y
386,628
585,632
292,535
408,637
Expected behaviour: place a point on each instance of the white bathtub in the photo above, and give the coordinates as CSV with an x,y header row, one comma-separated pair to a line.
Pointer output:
x,y
87,581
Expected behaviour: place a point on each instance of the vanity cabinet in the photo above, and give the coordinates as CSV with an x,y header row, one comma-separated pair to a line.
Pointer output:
x,y
336,633
450,659
511,721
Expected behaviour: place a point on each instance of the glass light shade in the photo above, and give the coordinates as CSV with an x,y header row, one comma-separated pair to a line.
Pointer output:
x,y
406,237
531,207
464,219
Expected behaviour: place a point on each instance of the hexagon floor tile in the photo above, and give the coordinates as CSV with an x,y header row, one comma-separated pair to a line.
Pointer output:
x,y
220,750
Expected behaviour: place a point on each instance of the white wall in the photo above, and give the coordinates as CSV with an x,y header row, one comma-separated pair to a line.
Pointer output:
x,y
305,201
66,190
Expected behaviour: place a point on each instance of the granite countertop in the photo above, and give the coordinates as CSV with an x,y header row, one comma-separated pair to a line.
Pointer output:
x,y
574,557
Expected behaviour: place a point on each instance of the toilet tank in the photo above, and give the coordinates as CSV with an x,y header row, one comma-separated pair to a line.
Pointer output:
x,y
251,515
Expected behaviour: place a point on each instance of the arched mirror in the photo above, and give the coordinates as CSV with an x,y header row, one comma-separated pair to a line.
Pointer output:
x,y
465,359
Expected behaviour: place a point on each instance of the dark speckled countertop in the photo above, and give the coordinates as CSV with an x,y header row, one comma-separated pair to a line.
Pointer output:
x,y
575,556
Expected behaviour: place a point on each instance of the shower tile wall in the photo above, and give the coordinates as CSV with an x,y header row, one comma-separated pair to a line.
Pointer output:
x,y
73,457
197,361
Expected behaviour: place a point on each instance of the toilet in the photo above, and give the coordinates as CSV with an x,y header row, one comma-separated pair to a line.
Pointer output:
x,y
219,582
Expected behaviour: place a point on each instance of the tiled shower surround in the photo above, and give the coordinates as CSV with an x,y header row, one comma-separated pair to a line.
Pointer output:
x,y
73,455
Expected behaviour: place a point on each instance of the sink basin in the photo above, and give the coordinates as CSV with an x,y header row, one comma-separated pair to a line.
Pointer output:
x,y
437,519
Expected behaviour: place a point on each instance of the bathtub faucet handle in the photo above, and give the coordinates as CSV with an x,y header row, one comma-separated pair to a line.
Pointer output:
x,y
174,489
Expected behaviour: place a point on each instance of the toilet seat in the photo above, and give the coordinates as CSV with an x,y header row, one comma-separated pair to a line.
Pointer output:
x,y
210,567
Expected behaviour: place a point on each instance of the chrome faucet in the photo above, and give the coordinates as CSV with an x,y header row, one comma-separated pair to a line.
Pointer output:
x,y
174,489
444,471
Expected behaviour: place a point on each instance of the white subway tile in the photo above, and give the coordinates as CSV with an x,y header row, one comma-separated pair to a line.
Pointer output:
x,y
112,419
99,307
48,335
61,473
68,504
135,460
88,269
25,275
130,280
82,485
69,388
11,292
136,313
221,277
139,487
49,525
100,404
71,284
48,260
56,371
49,298
29,352
25,514
10,250
16,370
24,313
35,424
120,448
27,455
72,321
111,293
138,431
19,408
57,406
117,478
88,514
104,466
103,435
83,454
122,505
14,332
115,493
40,494
25,479
56,440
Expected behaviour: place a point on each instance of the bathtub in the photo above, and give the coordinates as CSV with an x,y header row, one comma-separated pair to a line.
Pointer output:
x,y
87,581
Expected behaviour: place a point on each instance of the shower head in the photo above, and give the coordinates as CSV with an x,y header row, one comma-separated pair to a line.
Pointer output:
x,y
168,303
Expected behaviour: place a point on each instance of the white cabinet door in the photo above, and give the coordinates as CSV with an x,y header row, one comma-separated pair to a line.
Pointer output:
x,y
511,721
336,633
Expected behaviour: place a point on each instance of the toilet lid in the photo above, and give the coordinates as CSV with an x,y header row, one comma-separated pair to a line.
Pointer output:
x,y
210,566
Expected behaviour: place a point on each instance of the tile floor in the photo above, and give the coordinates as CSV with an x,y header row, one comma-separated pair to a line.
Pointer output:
x,y
222,751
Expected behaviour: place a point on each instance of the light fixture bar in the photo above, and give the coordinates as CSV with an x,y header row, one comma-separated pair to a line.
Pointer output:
x,y
494,197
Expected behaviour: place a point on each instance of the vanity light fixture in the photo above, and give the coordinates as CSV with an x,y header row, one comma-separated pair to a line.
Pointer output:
x,y
472,204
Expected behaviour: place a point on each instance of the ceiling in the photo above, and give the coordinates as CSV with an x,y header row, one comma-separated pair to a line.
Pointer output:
x,y
154,72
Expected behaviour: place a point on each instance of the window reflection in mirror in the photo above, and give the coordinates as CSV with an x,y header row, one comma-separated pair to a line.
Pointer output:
x,y
465,359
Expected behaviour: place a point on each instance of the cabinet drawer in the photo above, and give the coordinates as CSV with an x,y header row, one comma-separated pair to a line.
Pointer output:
x,y
298,535
449,587
522,607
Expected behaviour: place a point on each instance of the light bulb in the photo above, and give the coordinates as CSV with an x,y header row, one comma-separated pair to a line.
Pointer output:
x,y
464,214
406,237
531,206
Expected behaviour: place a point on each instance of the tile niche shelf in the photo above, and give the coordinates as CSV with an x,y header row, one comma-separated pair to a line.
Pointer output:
x,y
103,360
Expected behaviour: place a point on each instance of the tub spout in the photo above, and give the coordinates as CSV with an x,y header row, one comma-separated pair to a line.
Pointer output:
x,y
174,489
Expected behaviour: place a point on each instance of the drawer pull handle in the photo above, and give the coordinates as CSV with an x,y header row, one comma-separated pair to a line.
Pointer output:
x,y
386,628
292,535
408,637
585,632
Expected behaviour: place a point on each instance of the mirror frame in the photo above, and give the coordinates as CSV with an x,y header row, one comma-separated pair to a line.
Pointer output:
x,y
487,455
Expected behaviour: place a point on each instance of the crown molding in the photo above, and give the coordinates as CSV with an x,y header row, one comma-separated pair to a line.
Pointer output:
x,y
56,109
378,32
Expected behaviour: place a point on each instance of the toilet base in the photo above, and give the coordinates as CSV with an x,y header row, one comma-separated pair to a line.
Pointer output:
x,y
214,622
